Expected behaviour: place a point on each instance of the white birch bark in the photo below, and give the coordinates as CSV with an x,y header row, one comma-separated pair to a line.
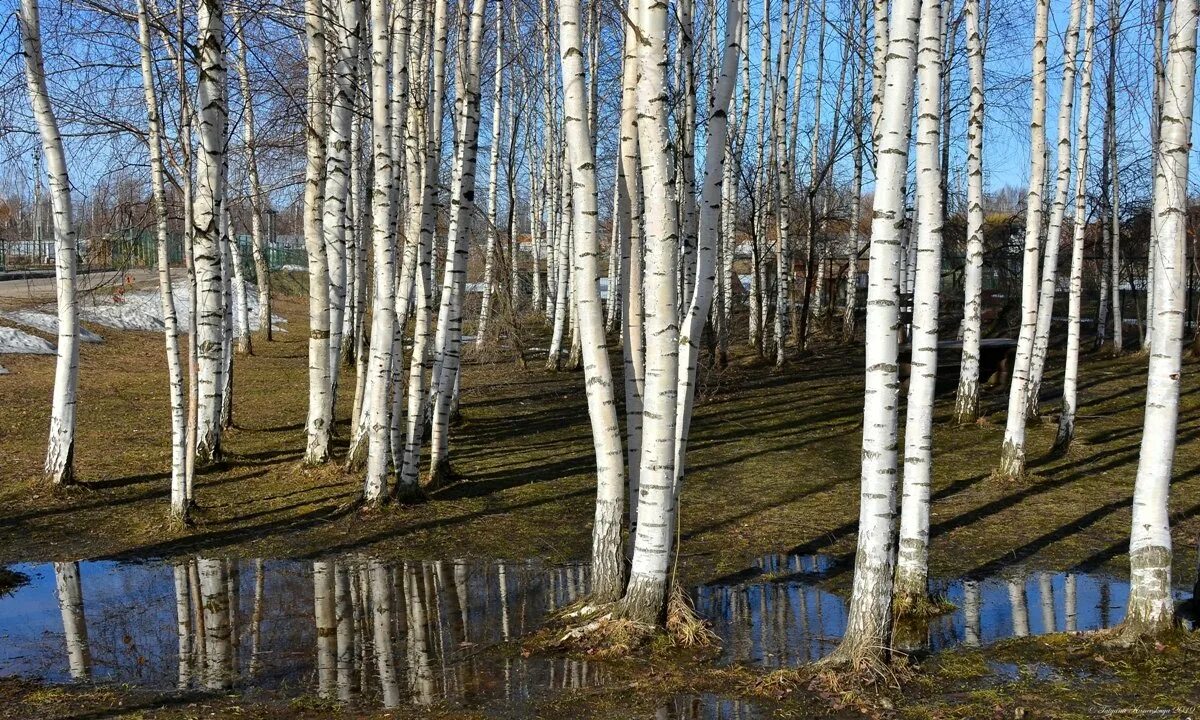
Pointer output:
x,y
448,343
180,499
783,186
423,122
1066,418
706,249
966,401
59,468
646,593
912,563
68,587
206,221
319,423
1160,9
1151,606
629,222
1012,455
608,564
1058,208
242,316
183,611
869,620
337,214
562,272
383,240
489,271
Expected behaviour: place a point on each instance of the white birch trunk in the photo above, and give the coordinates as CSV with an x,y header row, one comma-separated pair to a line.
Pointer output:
x,y
966,402
383,241
337,213
608,563
646,593
381,610
869,620
912,564
1151,606
427,123
180,499
1066,419
706,250
1058,208
489,271
326,626
210,301
319,423
629,222
1012,455
60,452
448,343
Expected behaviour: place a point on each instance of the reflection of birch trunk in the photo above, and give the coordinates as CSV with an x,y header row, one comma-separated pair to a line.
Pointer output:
x,y
256,616
1046,591
1020,612
381,622
1070,604
199,656
420,679
345,633
233,586
971,611
183,624
70,604
218,647
323,597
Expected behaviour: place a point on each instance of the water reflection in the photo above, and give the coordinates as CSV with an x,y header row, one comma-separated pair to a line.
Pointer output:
x,y
355,629
785,618
361,629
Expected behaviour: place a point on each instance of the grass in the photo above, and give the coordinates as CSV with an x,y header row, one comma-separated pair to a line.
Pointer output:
x,y
773,467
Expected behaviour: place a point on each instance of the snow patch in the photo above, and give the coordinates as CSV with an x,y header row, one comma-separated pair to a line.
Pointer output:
x,y
3,370
142,310
46,322
15,341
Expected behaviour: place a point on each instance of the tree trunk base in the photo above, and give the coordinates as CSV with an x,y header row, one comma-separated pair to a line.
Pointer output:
x,y
920,605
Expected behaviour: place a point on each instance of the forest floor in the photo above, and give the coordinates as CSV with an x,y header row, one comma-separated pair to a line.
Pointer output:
x,y
773,468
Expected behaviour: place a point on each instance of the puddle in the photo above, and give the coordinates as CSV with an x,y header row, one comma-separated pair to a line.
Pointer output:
x,y
785,618
390,632
375,632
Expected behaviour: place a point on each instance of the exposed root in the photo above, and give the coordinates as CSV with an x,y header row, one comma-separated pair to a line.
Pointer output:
x,y
596,629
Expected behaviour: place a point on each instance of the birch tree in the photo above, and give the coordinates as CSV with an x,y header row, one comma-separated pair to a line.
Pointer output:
x,y
706,250
60,452
645,595
180,491
423,122
485,305
868,625
319,423
1151,605
448,344
383,329
1012,455
206,219
608,556
337,214
1041,338
966,401
1066,418
67,584
912,564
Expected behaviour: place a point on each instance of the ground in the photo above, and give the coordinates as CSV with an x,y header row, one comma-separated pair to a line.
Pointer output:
x,y
773,467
